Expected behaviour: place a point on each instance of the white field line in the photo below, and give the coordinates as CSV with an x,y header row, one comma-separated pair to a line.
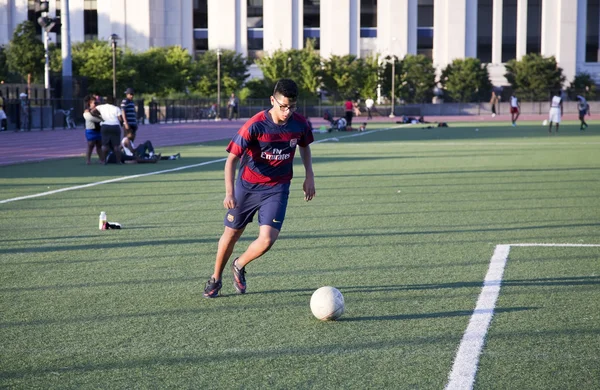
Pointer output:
x,y
156,172
466,361
117,179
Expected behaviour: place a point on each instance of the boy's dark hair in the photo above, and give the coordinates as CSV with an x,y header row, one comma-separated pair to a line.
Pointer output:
x,y
287,88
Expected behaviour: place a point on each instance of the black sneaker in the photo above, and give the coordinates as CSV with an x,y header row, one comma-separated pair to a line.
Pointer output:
x,y
239,277
211,290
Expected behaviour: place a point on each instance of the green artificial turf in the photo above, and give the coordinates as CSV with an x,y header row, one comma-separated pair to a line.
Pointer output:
x,y
404,224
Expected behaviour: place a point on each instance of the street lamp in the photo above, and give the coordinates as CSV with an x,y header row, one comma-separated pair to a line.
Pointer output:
x,y
393,85
113,43
391,58
218,117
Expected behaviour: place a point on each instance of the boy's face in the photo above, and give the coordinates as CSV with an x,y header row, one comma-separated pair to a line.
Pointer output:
x,y
283,107
131,136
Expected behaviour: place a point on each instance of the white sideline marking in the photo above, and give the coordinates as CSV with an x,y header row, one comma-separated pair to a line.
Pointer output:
x,y
465,364
156,172
109,181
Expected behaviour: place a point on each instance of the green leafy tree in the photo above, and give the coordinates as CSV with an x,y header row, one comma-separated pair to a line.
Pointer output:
x,y
466,80
25,55
93,60
343,76
234,71
370,77
303,66
583,84
417,79
534,77
386,70
6,75
160,71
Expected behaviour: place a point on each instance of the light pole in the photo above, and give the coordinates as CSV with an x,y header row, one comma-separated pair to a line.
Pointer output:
x,y
390,58
218,117
393,85
113,43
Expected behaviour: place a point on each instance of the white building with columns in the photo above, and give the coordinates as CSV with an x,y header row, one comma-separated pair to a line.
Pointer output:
x,y
494,31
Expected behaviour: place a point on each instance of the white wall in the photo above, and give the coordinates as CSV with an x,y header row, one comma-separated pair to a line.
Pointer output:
x,y
278,26
222,18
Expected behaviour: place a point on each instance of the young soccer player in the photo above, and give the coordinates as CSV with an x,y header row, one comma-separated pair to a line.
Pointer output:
x,y
265,147
584,109
556,111
515,106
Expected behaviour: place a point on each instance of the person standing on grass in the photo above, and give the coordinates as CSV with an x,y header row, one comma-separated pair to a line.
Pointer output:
x,y
265,147
349,113
556,111
232,107
3,118
515,109
129,114
493,103
584,109
110,128
92,130
369,103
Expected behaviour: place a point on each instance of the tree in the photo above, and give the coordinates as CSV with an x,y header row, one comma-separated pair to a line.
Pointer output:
x,y
6,75
173,63
234,71
417,79
25,55
370,77
466,80
343,76
303,66
93,60
534,77
583,84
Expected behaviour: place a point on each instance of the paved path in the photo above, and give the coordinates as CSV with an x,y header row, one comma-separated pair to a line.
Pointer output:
x,y
60,143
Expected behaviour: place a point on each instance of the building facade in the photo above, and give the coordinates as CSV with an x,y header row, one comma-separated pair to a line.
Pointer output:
x,y
494,31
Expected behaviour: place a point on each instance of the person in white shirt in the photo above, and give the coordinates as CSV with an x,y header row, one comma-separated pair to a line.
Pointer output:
x,y
556,111
110,128
515,106
369,105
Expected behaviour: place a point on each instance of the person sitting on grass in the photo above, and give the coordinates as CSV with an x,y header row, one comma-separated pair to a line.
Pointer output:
x,y
144,150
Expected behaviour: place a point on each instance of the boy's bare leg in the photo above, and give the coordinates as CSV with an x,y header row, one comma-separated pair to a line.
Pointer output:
x,y
265,240
226,245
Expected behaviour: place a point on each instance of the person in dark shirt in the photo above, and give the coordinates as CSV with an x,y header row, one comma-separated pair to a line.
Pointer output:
x,y
129,113
264,147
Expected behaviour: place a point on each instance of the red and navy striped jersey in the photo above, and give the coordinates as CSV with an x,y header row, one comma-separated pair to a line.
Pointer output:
x,y
267,150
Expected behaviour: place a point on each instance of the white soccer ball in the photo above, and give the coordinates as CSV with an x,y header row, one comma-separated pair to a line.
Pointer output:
x,y
545,122
327,303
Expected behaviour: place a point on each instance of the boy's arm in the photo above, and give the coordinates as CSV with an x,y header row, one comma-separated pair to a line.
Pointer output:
x,y
230,166
123,116
127,145
309,181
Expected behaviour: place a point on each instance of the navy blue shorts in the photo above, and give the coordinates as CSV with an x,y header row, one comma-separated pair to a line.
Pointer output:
x,y
271,208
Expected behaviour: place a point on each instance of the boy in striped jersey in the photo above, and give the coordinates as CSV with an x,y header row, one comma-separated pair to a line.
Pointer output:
x,y
264,147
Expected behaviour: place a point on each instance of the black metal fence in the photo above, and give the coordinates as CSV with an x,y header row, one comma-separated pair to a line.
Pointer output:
x,y
26,114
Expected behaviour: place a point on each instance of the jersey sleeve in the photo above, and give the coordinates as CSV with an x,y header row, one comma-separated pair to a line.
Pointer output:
x,y
239,143
307,135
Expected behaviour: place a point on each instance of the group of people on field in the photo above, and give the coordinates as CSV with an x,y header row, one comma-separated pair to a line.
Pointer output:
x,y
103,123
554,115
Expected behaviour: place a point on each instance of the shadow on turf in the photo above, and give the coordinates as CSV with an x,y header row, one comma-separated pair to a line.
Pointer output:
x,y
444,314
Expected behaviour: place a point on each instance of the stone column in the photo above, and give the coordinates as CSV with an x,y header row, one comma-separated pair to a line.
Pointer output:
x,y
521,28
497,32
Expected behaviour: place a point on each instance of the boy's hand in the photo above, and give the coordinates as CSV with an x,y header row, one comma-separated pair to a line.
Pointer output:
x,y
229,202
309,188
